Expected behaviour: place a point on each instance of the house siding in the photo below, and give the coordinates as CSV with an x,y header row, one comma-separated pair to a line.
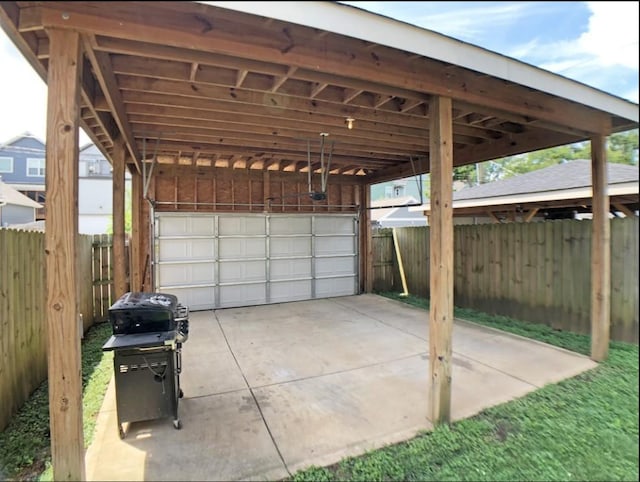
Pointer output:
x,y
13,214
20,150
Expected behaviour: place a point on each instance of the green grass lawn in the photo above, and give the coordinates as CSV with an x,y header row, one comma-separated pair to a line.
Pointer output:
x,y
584,428
25,444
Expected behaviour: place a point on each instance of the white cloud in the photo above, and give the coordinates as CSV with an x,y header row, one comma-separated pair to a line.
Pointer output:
x,y
605,56
464,22
469,23
613,33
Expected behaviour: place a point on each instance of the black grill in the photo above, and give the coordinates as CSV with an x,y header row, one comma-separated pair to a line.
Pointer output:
x,y
147,313
148,332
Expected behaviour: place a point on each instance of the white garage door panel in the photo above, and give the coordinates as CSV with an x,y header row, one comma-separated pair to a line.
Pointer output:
x,y
186,249
290,225
229,260
173,225
196,298
335,266
333,225
326,288
288,269
331,245
241,225
239,248
196,273
242,271
283,291
288,247
243,295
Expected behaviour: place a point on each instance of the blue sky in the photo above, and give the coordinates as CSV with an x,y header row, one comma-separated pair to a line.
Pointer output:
x,y
595,43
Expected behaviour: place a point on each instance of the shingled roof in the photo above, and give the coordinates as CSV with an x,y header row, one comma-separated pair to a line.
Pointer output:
x,y
11,196
569,175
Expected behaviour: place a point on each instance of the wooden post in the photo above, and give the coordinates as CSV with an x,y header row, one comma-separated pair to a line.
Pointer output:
x,y
441,256
600,253
266,182
119,267
61,246
135,269
366,242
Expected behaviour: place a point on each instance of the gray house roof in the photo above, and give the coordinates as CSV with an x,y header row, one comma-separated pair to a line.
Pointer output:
x,y
394,212
569,175
9,195
557,186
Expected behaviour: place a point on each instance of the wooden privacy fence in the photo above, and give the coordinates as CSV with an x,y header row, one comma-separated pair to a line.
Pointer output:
x,y
23,338
102,263
538,272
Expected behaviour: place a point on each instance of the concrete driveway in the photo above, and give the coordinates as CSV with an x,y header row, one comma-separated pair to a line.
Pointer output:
x,y
270,390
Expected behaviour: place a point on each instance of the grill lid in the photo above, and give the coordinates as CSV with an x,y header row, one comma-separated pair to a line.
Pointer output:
x,y
146,301
138,312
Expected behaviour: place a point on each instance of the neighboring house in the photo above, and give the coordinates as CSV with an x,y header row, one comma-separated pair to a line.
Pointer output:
x,y
95,191
394,213
22,166
560,191
398,188
409,186
15,207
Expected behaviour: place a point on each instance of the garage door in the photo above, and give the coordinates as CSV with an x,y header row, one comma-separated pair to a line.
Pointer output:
x,y
229,260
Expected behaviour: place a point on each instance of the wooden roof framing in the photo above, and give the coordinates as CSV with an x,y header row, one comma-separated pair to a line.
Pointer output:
x,y
214,84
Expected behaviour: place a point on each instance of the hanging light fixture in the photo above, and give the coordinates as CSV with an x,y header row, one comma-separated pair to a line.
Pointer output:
x,y
349,121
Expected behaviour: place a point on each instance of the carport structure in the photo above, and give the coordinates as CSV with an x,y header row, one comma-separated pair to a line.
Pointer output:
x,y
234,121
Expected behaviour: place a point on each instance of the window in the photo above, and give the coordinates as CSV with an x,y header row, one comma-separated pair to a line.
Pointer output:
x,y
6,164
35,167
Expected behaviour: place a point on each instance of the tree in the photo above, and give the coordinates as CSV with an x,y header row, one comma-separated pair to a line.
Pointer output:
x,y
621,148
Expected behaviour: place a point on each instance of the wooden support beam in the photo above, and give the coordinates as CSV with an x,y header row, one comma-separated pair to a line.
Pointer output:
x,y
119,271
278,81
266,183
363,199
194,70
624,210
350,94
441,259
529,216
410,104
61,248
380,100
135,247
108,83
240,76
316,89
494,218
600,253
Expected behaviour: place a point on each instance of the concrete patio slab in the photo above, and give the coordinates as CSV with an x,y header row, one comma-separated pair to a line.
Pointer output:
x,y
292,345
320,420
270,390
